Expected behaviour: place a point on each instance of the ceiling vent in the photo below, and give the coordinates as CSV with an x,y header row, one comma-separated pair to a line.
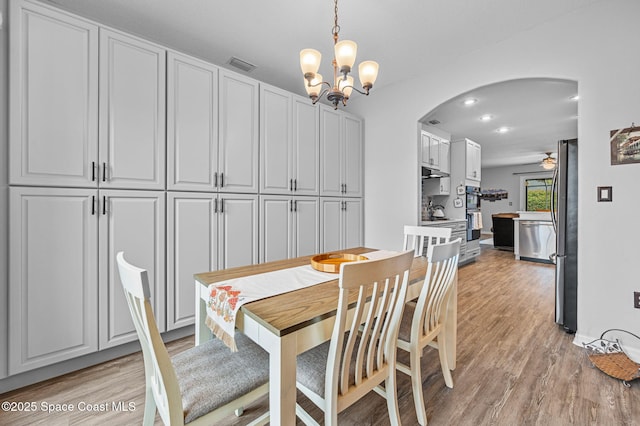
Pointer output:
x,y
241,65
433,122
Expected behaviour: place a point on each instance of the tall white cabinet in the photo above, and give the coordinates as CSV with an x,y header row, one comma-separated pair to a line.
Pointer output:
x,y
118,144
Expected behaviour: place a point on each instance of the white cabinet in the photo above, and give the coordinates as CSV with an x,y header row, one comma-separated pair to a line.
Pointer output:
x,y
67,299
289,227
53,277
132,113
289,143
192,124
341,224
466,154
473,159
205,232
340,153
238,134
437,186
445,157
54,98
430,150
132,222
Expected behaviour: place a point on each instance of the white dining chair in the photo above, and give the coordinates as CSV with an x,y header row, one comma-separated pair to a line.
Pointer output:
x,y
201,385
361,353
423,322
419,237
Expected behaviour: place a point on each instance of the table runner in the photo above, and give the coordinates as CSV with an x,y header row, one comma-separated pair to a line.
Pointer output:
x,y
226,297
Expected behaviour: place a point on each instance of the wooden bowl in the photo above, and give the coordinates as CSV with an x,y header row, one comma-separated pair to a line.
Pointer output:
x,y
331,262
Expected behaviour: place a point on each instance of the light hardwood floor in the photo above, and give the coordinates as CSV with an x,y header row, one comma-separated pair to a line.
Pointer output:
x,y
515,367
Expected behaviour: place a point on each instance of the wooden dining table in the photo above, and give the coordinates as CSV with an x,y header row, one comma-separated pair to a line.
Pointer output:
x,y
288,324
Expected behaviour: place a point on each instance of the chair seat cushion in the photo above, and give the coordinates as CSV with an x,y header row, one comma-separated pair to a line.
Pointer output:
x,y
211,375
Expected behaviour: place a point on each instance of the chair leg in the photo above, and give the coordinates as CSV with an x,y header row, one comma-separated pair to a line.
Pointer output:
x,y
391,389
416,385
149,408
444,363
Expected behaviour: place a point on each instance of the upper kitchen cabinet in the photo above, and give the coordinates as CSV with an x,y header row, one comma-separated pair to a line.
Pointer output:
x,y
288,143
430,150
132,113
53,98
192,124
445,157
239,133
340,153
470,152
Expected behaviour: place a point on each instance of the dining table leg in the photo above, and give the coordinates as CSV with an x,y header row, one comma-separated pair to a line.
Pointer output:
x,y
202,332
282,378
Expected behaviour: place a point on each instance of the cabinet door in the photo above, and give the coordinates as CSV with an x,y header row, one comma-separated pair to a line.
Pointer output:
x,y
425,144
330,152
238,230
192,124
306,147
445,156
238,149
352,223
473,161
275,141
192,245
352,156
276,227
53,276
132,222
330,224
445,186
54,58
132,113
307,226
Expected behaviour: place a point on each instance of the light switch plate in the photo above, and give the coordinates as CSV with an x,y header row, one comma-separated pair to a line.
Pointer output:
x,y
605,193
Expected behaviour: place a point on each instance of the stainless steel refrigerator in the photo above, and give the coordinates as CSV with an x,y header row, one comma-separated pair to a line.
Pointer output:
x,y
565,222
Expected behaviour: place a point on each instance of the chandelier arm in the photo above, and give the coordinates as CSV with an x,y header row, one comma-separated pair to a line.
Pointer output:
x,y
366,90
321,94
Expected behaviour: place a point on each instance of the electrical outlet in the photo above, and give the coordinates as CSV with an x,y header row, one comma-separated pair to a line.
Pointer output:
x,y
636,299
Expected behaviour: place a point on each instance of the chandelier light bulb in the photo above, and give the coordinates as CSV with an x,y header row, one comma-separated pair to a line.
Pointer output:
x,y
346,86
345,52
310,61
368,72
313,86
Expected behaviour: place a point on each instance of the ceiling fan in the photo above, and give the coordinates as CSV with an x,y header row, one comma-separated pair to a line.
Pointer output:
x,y
548,163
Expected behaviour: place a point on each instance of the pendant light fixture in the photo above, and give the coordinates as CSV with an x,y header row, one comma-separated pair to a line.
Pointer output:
x,y
344,58
548,163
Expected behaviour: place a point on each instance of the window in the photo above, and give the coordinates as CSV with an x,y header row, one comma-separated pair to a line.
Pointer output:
x,y
537,194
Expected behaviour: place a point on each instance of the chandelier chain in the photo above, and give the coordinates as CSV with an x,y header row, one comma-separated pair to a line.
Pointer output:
x,y
336,28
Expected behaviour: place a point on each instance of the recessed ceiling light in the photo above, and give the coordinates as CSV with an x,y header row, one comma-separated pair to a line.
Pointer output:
x,y
486,117
575,97
470,101
502,129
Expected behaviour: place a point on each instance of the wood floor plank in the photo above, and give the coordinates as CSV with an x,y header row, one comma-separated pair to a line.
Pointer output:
x,y
515,367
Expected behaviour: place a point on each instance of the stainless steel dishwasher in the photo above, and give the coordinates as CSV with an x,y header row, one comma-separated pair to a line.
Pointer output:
x,y
537,240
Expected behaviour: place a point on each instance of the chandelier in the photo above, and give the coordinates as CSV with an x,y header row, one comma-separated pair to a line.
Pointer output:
x,y
548,162
344,58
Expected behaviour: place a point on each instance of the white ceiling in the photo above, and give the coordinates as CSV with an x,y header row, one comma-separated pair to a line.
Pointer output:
x,y
404,37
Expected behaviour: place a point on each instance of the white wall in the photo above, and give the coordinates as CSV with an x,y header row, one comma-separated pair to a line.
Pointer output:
x,y
595,46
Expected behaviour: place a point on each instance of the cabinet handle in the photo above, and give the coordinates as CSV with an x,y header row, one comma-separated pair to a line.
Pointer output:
x,y
93,171
215,182
221,179
93,205
215,205
295,184
104,172
221,205
295,205
104,205
290,184
290,205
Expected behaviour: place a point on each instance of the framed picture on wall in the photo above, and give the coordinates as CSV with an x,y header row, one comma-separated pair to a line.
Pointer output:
x,y
625,145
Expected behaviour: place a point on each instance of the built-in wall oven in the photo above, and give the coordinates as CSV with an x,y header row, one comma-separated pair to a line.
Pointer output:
x,y
474,219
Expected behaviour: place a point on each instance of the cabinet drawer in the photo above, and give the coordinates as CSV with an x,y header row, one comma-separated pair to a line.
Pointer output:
x,y
459,226
473,252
